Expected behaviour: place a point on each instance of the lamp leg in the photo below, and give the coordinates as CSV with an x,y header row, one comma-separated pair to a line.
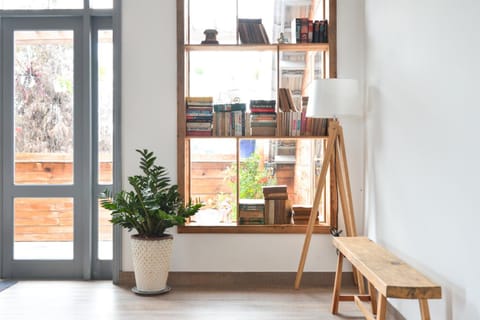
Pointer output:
x,y
316,202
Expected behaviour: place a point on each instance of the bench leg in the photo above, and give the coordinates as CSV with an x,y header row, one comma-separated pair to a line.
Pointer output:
x,y
358,278
425,312
381,307
338,284
373,297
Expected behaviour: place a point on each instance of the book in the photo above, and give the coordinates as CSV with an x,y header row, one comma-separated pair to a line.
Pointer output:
x,y
277,196
280,212
301,214
263,131
281,188
251,204
295,27
269,211
252,31
316,31
323,37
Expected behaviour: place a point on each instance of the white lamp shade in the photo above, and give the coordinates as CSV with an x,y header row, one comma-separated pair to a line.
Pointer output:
x,y
334,98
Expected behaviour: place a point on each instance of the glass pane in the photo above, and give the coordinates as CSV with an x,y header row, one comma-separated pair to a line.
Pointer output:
x,y
41,4
297,70
43,228
105,234
213,180
43,123
278,173
218,74
105,106
101,4
212,14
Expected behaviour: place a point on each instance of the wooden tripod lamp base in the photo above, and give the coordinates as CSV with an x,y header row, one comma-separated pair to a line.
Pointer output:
x,y
335,153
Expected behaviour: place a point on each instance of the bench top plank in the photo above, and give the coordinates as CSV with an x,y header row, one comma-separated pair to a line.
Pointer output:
x,y
390,276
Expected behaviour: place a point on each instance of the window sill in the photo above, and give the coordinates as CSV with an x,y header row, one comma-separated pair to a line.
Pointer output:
x,y
280,228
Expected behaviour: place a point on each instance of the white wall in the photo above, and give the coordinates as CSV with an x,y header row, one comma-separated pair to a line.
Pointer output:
x,y
423,152
149,120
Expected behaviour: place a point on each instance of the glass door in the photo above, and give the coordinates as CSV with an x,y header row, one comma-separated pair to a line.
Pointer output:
x,y
47,170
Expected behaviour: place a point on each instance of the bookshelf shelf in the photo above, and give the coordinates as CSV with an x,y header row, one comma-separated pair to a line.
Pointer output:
x,y
320,47
231,72
280,228
258,137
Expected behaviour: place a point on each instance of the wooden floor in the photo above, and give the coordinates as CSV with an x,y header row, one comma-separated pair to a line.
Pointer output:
x,y
102,300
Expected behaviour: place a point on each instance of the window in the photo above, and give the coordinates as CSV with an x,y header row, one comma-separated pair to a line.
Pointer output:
x,y
232,167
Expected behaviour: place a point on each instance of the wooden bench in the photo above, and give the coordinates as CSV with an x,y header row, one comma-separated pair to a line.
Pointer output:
x,y
385,274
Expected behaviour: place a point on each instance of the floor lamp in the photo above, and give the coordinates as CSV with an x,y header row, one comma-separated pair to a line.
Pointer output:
x,y
333,98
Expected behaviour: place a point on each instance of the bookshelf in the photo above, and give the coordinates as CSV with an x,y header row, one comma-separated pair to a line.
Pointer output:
x,y
282,65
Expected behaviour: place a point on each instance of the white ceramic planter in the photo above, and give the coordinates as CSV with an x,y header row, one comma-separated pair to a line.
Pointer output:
x,y
151,263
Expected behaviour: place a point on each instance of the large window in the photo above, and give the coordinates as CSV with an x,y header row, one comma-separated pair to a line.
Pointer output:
x,y
255,165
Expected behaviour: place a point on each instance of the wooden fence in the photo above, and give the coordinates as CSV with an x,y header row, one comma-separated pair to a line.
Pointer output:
x,y
51,219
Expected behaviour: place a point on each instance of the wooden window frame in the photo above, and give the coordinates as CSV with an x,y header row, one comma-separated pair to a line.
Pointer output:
x,y
183,164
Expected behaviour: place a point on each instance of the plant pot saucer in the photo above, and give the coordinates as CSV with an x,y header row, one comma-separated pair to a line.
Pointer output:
x,y
151,292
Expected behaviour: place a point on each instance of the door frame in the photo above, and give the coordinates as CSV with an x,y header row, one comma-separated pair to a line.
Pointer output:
x,y
90,268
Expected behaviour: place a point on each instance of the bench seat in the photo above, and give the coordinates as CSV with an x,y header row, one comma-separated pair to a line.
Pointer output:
x,y
386,275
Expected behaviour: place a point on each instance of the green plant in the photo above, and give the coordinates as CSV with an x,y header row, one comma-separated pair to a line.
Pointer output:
x,y
252,178
153,205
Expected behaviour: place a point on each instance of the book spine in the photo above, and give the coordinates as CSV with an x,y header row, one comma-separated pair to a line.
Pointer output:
x,y
316,31
323,38
310,31
304,30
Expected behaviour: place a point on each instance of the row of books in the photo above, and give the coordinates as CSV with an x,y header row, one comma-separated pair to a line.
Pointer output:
x,y
305,30
252,31
273,210
203,118
229,120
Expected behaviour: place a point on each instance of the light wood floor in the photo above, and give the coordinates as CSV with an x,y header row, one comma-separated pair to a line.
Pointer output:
x,y
98,300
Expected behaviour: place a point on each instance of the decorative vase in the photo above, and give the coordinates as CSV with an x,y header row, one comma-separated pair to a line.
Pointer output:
x,y
151,263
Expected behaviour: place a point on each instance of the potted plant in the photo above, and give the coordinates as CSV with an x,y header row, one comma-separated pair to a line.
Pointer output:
x,y
153,206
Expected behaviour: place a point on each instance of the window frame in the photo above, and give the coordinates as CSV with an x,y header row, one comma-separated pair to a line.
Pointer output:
x,y
183,158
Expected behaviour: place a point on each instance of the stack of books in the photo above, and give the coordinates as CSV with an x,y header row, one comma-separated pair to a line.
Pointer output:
x,y
199,116
229,119
276,204
301,214
316,127
263,118
252,31
308,31
251,211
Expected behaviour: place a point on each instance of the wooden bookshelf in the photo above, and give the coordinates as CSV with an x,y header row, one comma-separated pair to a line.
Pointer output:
x,y
185,48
